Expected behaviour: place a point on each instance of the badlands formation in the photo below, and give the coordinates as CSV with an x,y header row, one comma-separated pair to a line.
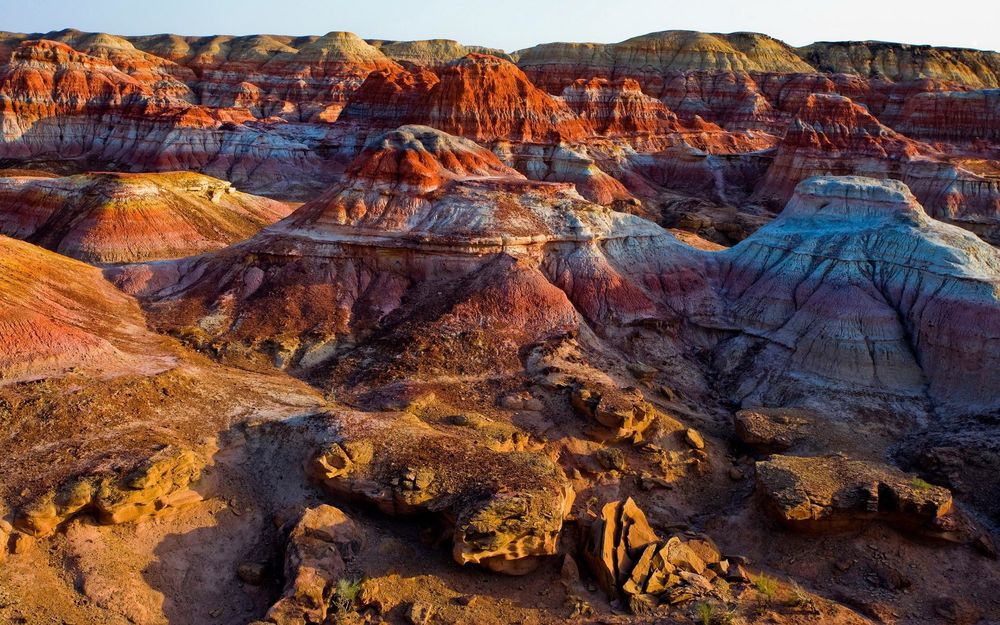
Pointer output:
x,y
690,328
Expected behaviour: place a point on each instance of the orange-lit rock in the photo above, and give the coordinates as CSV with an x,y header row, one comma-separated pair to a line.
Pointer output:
x,y
116,218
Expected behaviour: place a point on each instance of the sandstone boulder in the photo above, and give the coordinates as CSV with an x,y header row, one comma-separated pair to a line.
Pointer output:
x,y
768,431
506,507
617,539
628,558
159,483
318,546
623,411
838,493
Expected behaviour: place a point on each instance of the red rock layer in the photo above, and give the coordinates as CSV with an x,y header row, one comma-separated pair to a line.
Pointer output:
x,y
619,108
833,135
971,117
389,98
57,103
485,98
422,159
115,218
57,313
731,99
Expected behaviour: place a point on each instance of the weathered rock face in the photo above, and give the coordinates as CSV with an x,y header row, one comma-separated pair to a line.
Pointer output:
x,y
58,314
953,116
833,135
318,547
838,493
732,99
898,61
388,99
418,208
866,245
115,218
649,57
158,484
619,108
628,558
506,507
486,98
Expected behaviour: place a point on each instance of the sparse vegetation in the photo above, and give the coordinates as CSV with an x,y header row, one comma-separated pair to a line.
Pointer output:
x,y
345,594
920,484
803,600
767,588
712,614
706,613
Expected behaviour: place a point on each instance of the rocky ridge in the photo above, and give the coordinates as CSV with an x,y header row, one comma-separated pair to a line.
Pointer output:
x,y
117,218
469,352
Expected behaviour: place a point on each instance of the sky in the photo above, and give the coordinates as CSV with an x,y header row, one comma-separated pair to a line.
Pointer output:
x,y
516,24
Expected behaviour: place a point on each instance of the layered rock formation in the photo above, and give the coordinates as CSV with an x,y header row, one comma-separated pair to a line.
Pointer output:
x,y
411,196
898,61
284,115
485,98
416,193
833,135
60,104
952,116
649,57
508,352
59,314
863,256
116,218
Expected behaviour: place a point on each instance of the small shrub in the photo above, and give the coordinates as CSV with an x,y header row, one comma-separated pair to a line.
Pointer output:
x,y
345,594
920,484
705,612
711,614
728,617
767,587
803,600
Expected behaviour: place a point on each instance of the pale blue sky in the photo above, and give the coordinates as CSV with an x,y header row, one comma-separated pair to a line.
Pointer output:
x,y
514,24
